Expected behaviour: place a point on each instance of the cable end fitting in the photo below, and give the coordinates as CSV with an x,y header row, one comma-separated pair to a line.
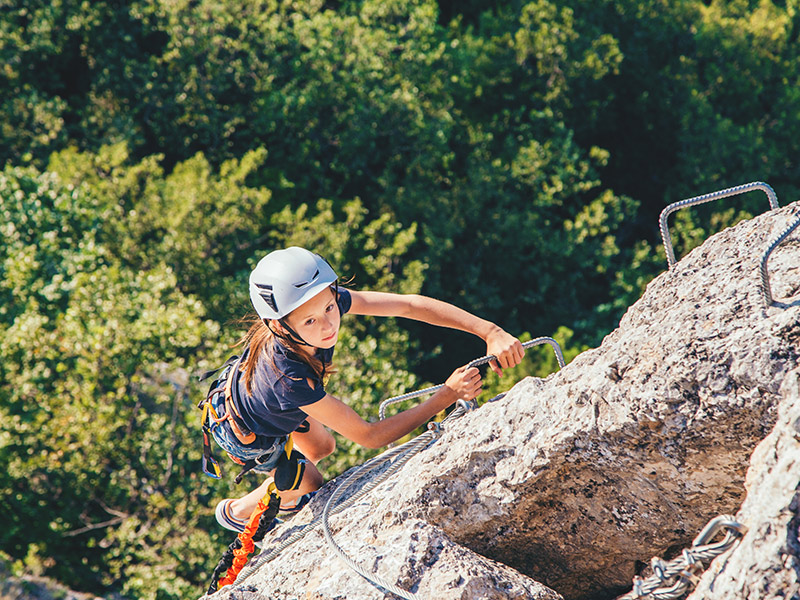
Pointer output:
x,y
466,405
436,428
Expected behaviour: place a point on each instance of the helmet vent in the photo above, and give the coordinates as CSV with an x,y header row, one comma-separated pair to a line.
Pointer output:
x,y
299,285
267,295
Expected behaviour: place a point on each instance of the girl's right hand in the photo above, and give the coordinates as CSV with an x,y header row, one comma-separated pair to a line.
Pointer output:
x,y
466,383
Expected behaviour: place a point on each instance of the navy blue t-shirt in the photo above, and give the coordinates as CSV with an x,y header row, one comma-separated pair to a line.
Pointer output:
x,y
280,387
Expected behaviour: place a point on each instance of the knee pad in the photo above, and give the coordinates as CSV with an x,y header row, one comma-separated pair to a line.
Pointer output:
x,y
289,471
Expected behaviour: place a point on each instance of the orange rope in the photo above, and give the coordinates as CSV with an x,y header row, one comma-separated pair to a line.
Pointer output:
x,y
246,538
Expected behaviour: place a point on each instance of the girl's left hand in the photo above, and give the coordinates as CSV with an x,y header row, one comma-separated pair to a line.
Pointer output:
x,y
506,348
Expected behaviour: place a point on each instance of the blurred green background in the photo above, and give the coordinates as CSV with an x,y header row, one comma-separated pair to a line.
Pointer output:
x,y
509,157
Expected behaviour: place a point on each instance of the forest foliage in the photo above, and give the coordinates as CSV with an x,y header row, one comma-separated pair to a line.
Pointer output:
x,y
509,157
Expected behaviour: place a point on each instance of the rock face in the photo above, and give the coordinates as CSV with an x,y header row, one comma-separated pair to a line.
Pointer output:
x,y
569,485
767,562
30,587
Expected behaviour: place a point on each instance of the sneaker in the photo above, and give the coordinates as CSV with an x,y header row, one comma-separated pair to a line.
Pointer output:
x,y
299,505
225,517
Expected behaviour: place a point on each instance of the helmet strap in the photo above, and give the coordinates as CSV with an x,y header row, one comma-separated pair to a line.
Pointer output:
x,y
335,287
293,336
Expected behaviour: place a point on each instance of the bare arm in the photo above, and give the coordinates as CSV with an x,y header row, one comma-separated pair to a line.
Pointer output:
x,y
332,412
505,347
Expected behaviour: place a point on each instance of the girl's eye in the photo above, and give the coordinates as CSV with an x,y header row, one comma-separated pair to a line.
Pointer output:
x,y
329,308
310,322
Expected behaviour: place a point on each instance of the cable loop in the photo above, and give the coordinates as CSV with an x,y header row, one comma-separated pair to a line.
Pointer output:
x,y
670,580
467,405
659,568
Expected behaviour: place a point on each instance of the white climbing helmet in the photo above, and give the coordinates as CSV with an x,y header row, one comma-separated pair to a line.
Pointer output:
x,y
285,279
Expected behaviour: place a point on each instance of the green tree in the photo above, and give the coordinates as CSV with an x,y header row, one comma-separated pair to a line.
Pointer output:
x,y
205,223
100,331
511,158
96,441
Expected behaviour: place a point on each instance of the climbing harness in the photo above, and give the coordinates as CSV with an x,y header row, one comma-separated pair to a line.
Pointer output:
x,y
219,401
396,458
741,189
673,579
288,471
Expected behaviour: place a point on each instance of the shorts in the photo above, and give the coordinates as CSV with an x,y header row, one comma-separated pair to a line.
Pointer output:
x,y
228,442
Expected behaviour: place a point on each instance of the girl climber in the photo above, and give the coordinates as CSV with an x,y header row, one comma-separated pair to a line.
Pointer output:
x,y
277,387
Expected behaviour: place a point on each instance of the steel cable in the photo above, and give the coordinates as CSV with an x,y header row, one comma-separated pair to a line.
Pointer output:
x,y
403,454
673,579
422,441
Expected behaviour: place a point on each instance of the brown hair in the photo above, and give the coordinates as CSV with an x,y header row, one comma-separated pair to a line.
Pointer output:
x,y
261,341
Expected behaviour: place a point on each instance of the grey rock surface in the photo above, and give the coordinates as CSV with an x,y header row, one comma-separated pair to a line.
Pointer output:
x,y
766,564
413,555
576,481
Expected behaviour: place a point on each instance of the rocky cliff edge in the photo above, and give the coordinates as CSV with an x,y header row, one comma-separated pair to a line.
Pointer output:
x,y
569,485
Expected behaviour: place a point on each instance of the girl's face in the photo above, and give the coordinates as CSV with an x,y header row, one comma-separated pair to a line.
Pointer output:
x,y
317,320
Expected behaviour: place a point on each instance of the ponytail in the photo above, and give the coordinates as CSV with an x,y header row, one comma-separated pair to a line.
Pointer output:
x,y
261,341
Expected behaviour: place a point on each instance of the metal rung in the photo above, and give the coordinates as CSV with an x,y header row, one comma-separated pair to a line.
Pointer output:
x,y
741,189
475,363
765,287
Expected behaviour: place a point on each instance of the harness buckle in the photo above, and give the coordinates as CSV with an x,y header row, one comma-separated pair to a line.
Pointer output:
x,y
260,460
